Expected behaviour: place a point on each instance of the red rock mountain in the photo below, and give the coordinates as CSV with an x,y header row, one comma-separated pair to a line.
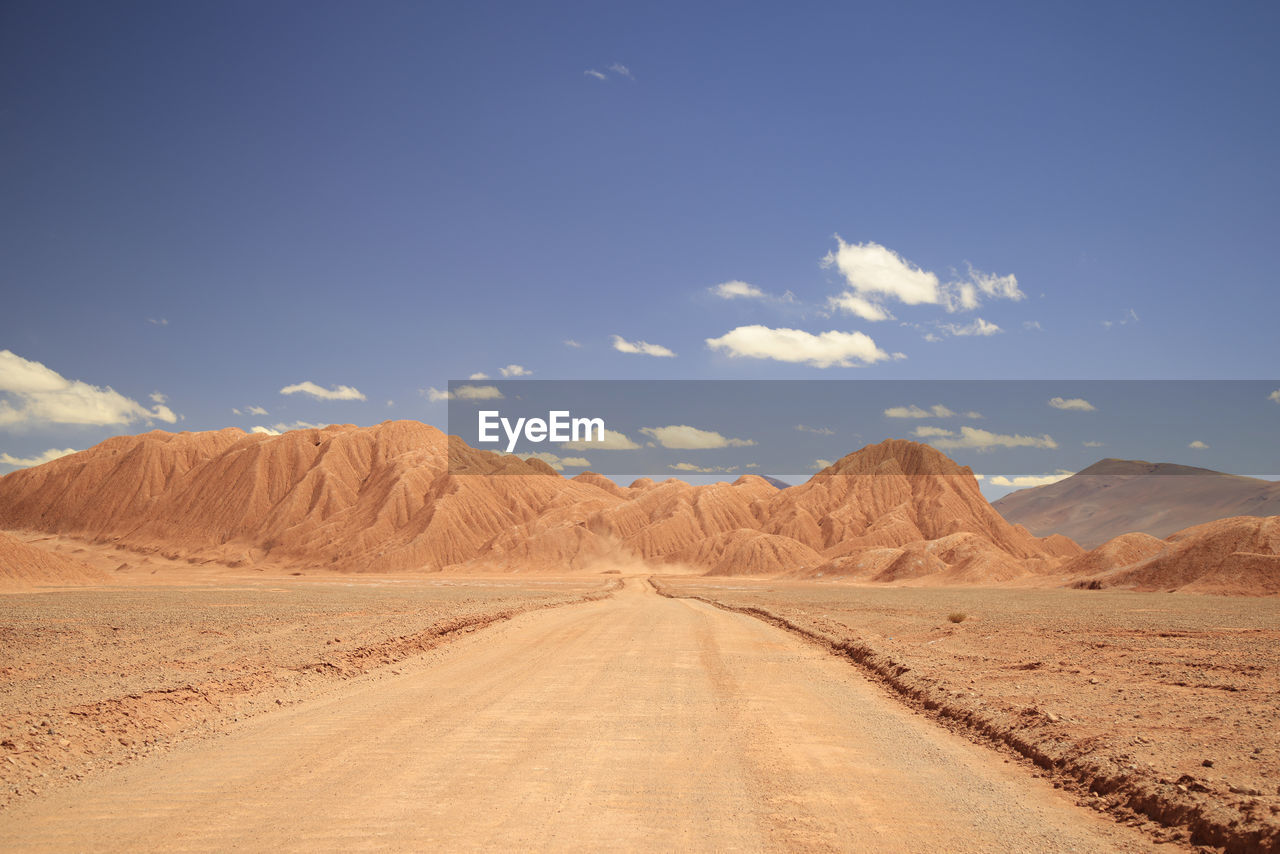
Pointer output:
x,y
1239,556
383,498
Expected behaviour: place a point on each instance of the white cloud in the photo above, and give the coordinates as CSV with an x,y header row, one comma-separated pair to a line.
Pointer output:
x,y
277,429
39,459
1198,445
479,375
558,463
1093,444
464,392
982,440
872,269
622,71
298,425
157,397
158,321
1026,480
644,348
851,303
1072,404
1032,325
702,469
875,274
752,466
685,438
43,396
1275,396
819,465
341,392
515,371
256,410
844,349
821,431
613,441
913,411
977,327
591,72
932,337
738,290
569,342
391,403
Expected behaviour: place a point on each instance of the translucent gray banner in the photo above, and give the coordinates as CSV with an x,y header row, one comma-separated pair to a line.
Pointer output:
x,y
1013,431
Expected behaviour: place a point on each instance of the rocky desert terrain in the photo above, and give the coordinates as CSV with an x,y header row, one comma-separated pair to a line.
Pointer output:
x,y
487,653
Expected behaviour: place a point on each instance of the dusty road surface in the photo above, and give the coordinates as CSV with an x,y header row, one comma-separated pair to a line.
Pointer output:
x,y
633,723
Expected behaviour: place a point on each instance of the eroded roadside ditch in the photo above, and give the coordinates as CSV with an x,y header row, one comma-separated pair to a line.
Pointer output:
x,y
1187,808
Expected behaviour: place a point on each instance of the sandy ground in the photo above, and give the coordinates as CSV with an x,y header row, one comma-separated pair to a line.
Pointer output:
x,y
1164,704
96,677
635,722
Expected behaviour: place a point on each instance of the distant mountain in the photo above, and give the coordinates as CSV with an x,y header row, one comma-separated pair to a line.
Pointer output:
x,y
1113,497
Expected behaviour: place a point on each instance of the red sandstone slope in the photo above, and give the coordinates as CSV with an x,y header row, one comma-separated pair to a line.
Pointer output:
x,y
23,565
382,498
1238,556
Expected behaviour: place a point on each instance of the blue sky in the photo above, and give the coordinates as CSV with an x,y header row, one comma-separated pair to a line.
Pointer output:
x,y
215,202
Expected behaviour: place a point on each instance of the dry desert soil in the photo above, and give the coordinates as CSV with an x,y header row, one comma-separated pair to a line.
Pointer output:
x,y
227,709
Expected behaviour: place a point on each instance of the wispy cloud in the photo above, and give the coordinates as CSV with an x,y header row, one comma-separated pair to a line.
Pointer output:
x,y
737,289
1027,480
32,394
616,69
1072,404
38,459
685,438
1093,443
479,375
978,327
158,321
824,350
644,348
463,392
569,342
982,440
341,392
702,469
1130,316
1274,396
515,371
821,431
935,411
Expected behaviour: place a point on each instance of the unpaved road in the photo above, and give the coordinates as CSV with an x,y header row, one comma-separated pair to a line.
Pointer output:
x,y
633,723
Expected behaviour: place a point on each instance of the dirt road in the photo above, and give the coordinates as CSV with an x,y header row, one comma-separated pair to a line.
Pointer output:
x,y
633,723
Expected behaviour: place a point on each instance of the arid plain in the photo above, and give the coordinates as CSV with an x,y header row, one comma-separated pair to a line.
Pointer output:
x,y
327,639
